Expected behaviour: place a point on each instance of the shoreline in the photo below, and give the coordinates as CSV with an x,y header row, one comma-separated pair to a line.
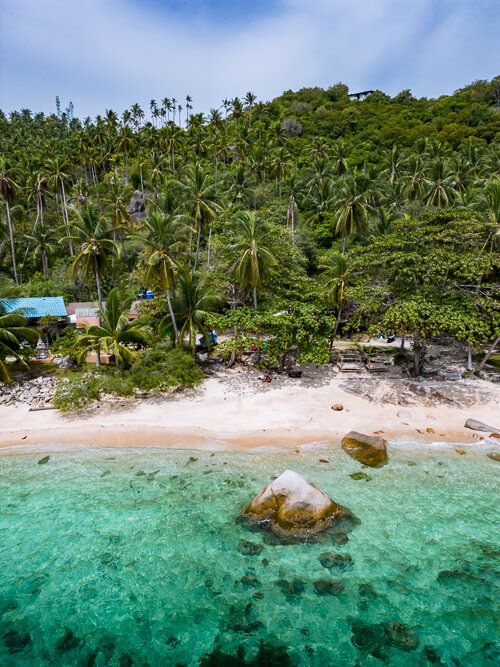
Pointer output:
x,y
234,411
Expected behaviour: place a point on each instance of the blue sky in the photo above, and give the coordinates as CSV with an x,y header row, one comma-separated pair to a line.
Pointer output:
x,y
111,53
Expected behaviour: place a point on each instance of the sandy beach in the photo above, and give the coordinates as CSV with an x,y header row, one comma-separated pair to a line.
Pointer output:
x,y
234,409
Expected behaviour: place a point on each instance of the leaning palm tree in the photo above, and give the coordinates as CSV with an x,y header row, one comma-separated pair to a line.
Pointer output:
x,y
116,332
163,237
255,258
92,233
13,331
195,299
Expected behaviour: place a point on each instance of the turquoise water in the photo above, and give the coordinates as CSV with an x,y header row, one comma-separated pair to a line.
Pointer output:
x,y
135,557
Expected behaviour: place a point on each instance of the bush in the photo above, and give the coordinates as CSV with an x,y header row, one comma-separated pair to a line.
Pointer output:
x,y
80,389
164,369
76,392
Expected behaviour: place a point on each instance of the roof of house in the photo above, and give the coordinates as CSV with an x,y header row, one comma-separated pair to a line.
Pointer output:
x,y
86,312
36,306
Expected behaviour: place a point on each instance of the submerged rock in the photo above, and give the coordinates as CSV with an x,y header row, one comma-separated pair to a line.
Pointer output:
x,y
291,589
328,587
494,456
16,641
367,449
45,459
360,475
292,506
334,560
375,638
249,548
400,636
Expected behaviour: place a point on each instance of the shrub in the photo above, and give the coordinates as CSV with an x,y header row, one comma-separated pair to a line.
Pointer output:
x,y
162,369
76,392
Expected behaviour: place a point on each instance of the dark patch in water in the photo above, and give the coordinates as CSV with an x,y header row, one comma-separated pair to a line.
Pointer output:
x,y
292,589
44,460
375,638
250,580
16,640
106,473
268,655
332,560
432,656
249,548
328,587
361,475
67,642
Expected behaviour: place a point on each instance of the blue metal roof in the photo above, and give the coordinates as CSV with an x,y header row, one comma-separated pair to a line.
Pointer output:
x,y
36,306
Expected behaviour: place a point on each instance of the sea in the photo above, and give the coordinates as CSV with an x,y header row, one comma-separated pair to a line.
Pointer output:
x,y
134,556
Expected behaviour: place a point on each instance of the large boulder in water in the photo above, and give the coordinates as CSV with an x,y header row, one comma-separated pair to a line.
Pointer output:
x,y
367,449
293,507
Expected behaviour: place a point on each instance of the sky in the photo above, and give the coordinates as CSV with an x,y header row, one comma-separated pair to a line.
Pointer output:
x,y
103,54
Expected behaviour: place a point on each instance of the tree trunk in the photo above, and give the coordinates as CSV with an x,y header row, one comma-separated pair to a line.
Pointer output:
x,y
254,291
488,354
209,247
469,357
344,242
12,247
97,282
45,264
172,316
66,218
419,347
198,240
98,357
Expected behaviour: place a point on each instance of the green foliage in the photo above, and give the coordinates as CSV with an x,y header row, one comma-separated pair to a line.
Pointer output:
x,y
161,369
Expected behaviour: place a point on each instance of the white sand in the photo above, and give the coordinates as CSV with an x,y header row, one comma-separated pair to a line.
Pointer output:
x,y
229,413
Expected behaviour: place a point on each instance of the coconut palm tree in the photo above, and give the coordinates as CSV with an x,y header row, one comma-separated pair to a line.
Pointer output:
x,y
7,188
13,331
334,278
163,236
116,332
198,193
43,246
255,257
351,209
57,170
194,300
92,234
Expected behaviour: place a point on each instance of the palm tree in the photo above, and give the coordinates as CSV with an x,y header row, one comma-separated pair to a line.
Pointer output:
x,y
255,257
163,237
195,299
92,232
7,187
115,332
350,209
488,201
57,169
13,331
44,246
335,275
198,193
439,185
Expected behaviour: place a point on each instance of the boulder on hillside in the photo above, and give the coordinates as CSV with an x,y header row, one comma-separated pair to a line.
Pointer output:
x,y
480,426
367,449
293,507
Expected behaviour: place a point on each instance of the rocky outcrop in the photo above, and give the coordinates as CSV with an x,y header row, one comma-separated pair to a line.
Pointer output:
x,y
35,393
293,507
476,425
367,449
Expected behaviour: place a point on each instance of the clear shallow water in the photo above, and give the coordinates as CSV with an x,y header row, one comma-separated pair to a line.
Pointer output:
x,y
121,557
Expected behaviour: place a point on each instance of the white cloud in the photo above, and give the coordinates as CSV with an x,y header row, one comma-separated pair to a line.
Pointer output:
x,y
113,53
